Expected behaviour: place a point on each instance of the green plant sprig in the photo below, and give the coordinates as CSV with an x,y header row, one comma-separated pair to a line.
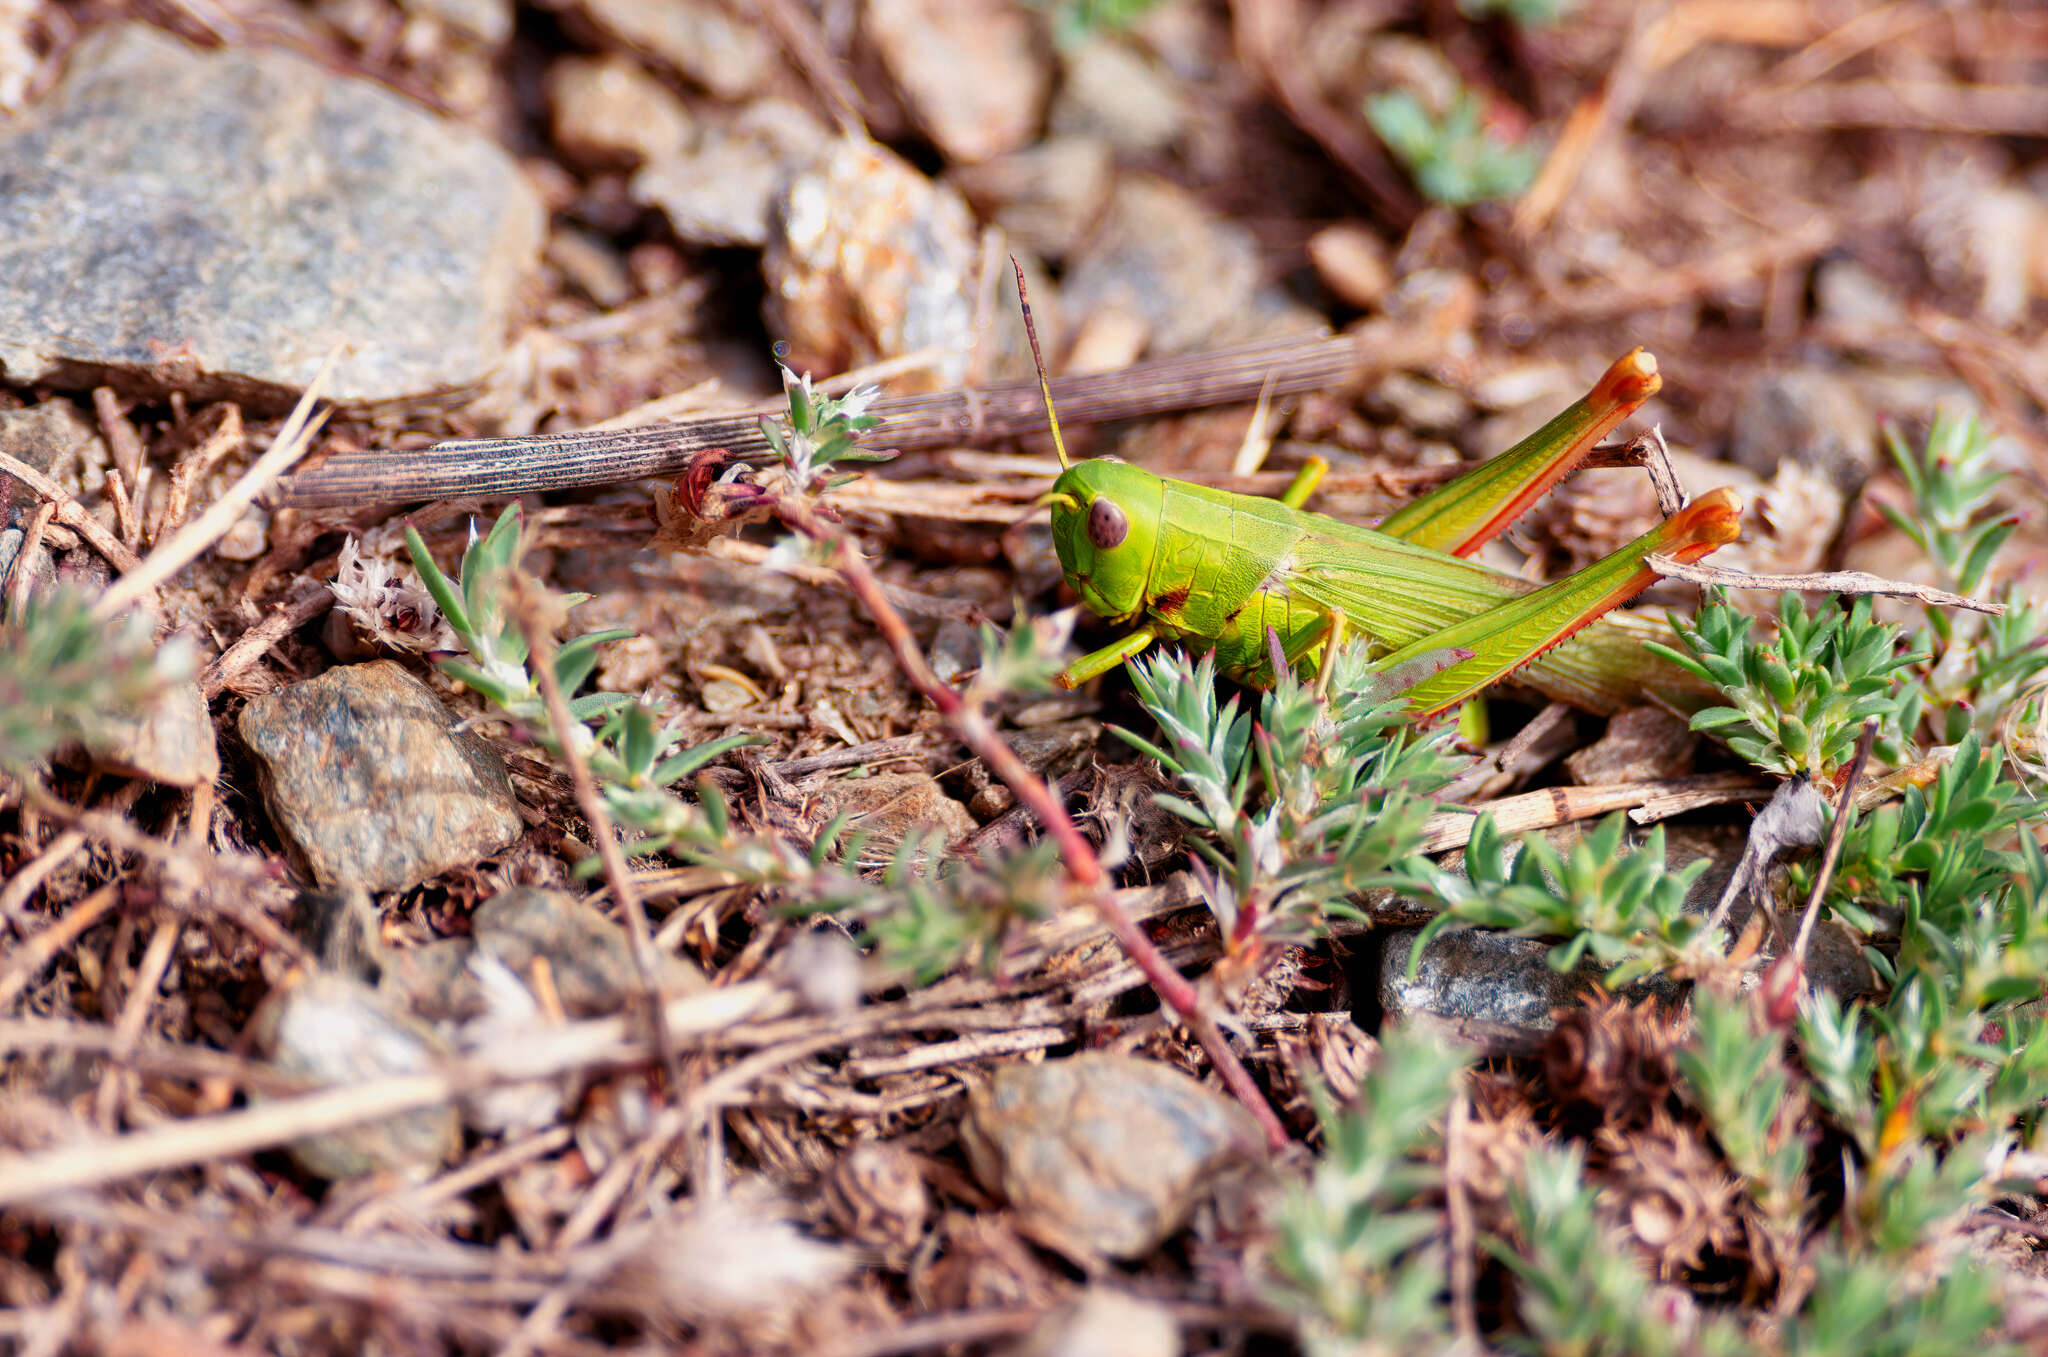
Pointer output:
x,y
1625,909
1797,702
1306,805
65,674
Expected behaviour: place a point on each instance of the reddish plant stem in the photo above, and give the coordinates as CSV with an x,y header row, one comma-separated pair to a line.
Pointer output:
x,y
971,726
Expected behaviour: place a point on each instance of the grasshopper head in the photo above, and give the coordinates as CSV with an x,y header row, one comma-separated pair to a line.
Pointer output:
x,y
1105,525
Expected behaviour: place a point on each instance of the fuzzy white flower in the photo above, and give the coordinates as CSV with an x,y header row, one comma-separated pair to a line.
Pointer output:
x,y
389,605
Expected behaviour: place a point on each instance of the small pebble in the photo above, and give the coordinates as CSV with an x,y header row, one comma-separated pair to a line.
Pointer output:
x,y
589,956
57,440
171,741
488,22
724,190
1047,196
1353,262
1806,416
876,1195
1640,743
369,781
1191,277
1103,1154
702,40
339,1031
1112,93
608,111
872,260
973,71
889,807
1102,1322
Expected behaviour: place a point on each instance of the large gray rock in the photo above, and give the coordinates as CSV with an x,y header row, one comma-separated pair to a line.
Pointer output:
x,y
219,220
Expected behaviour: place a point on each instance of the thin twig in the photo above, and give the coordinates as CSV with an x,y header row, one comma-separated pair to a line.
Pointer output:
x,y
1649,451
535,1055
1791,819
28,960
1823,581
796,28
1562,805
1837,833
122,440
21,574
226,439
540,645
253,644
242,907
293,441
72,514
946,419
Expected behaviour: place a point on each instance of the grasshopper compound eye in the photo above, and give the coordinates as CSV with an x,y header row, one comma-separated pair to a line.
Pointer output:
x,y
1107,526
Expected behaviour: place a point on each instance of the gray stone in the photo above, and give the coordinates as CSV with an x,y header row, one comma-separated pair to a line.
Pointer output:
x,y
369,781
973,72
338,1031
872,260
724,191
1188,276
609,111
1808,416
1045,197
701,39
1103,1154
1479,974
238,214
589,956
170,741
1496,977
589,959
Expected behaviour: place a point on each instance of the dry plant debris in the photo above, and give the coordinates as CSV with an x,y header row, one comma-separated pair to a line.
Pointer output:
x,y
555,851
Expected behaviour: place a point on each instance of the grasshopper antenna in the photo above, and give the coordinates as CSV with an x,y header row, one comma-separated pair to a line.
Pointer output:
x,y
1052,418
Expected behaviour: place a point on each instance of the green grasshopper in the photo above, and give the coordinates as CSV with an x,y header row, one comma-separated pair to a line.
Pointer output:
x,y
1249,577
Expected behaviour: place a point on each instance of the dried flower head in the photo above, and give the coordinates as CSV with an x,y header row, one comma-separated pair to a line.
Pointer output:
x,y
1611,1060
388,604
876,1195
1674,1194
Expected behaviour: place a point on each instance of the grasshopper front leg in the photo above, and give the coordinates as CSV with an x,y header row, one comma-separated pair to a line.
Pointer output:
x,y
1096,663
